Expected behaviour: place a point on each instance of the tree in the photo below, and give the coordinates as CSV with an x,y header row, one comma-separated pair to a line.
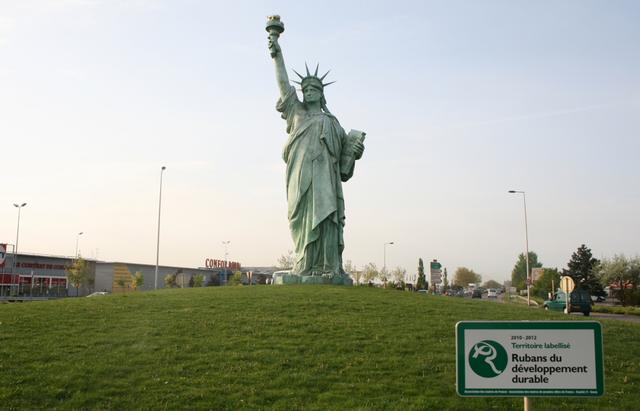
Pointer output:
x,y
286,261
351,269
198,280
623,275
121,283
178,278
348,267
398,275
137,280
581,270
383,275
549,281
91,282
491,284
370,272
464,276
421,283
181,280
519,273
78,273
236,278
169,280
445,281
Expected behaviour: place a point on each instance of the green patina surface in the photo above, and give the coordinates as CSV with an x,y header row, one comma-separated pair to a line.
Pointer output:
x,y
320,156
333,279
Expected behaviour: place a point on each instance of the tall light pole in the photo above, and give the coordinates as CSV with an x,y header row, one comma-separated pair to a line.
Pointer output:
x,y
15,249
384,261
158,242
526,242
77,239
226,256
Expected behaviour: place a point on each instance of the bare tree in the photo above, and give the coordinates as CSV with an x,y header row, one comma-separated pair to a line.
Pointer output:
x,y
78,273
398,275
137,280
286,261
370,272
351,269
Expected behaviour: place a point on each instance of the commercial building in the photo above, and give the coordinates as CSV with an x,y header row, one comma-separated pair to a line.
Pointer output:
x,y
45,276
32,275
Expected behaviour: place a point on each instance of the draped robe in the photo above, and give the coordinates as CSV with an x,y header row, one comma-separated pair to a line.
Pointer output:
x,y
314,186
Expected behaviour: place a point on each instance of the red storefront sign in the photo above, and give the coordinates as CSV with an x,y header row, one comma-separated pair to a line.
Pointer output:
x,y
211,263
25,280
41,266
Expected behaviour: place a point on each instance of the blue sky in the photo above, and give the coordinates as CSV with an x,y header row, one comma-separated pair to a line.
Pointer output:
x,y
461,101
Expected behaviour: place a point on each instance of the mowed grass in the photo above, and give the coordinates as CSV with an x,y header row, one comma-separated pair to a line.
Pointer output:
x,y
281,347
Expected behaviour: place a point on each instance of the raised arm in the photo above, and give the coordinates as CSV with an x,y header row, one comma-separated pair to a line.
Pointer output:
x,y
274,28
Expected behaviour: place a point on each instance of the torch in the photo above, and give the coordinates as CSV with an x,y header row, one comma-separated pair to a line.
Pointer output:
x,y
274,27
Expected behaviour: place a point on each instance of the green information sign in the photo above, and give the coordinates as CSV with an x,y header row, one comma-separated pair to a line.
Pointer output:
x,y
529,358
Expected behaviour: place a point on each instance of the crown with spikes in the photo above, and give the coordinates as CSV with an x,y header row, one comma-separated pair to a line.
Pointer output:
x,y
312,79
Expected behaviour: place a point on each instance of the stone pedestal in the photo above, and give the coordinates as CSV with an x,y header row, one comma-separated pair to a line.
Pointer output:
x,y
280,279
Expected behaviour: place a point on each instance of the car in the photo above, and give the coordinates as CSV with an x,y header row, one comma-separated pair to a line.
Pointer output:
x,y
491,293
580,301
98,293
476,294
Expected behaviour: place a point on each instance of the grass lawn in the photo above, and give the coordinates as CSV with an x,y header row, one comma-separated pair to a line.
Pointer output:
x,y
283,347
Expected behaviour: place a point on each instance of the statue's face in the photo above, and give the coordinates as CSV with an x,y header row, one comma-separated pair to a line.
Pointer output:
x,y
312,94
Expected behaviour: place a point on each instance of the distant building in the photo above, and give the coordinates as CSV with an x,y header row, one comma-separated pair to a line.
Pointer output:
x,y
45,276
35,275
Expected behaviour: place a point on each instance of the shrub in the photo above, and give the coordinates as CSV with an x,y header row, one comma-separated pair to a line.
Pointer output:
x,y
198,280
137,280
236,278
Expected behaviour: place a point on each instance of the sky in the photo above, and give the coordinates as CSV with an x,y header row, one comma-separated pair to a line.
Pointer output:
x,y
461,101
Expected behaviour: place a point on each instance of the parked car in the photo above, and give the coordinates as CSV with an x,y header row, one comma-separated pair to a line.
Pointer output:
x,y
476,294
580,301
98,293
491,293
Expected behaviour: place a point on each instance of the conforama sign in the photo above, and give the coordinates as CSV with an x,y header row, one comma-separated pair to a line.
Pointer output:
x,y
211,263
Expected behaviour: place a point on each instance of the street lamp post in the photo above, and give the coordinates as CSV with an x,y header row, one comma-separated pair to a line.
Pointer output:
x,y
77,239
526,242
15,249
158,241
384,261
226,256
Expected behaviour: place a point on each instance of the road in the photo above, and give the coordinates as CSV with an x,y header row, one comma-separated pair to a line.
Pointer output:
x,y
607,316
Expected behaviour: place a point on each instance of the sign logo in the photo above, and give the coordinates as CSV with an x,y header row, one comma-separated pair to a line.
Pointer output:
x,y
488,359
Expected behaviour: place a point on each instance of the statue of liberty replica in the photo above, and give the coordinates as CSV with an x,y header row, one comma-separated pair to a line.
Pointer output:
x,y
320,156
